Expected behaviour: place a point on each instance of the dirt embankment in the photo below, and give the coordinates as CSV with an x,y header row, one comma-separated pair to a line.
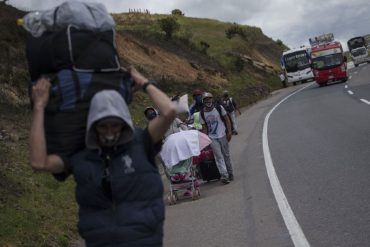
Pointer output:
x,y
162,64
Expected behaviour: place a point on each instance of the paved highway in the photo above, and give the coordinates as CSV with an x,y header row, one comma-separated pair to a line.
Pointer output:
x,y
319,142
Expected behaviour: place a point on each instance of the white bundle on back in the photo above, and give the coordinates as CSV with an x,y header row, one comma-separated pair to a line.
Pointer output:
x,y
87,16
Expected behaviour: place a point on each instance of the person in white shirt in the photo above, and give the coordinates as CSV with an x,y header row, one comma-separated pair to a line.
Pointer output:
x,y
216,124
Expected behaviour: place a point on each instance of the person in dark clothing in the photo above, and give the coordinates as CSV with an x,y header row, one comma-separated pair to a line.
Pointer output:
x,y
119,189
150,113
196,106
230,106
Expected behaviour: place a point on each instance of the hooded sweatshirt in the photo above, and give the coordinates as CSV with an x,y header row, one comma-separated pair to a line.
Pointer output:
x,y
119,191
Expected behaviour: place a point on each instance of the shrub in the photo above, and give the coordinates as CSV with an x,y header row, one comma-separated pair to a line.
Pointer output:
x,y
239,64
235,29
169,25
247,33
279,42
204,46
177,12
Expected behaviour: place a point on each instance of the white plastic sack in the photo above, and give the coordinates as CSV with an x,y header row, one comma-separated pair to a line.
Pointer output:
x,y
183,145
182,104
84,15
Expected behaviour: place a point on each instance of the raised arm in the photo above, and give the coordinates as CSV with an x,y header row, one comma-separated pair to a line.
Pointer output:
x,y
40,160
159,125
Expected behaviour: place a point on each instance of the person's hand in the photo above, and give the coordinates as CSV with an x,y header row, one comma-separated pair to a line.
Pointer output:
x,y
228,136
138,78
40,93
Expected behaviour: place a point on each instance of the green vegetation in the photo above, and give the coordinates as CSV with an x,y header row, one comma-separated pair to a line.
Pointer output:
x,y
177,12
169,25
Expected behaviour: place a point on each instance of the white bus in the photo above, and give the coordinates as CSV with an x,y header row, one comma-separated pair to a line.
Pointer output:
x,y
358,49
296,64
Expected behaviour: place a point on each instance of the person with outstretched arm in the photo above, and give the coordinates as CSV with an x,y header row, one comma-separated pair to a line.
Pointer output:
x,y
118,188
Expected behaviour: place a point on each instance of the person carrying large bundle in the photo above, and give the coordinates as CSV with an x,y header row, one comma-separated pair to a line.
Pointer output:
x,y
119,189
73,46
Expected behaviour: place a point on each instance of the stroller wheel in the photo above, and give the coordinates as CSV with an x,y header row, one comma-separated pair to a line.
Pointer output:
x,y
174,198
198,192
196,195
169,200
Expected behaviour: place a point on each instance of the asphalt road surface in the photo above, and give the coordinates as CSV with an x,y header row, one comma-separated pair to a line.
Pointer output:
x,y
319,144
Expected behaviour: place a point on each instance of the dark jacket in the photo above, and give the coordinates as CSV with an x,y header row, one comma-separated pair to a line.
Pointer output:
x,y
119,191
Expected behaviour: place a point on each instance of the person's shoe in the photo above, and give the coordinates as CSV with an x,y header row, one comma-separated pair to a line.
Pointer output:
x,y
225,180
231,177
235,132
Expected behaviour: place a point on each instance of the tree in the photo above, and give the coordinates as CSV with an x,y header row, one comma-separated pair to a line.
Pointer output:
x,y
169,25
177,12
279,42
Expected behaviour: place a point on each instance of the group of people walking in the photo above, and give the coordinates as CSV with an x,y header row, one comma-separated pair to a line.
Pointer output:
x,y
217,119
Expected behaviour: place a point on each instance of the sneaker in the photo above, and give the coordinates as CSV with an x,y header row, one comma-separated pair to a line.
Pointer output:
x,y
225,180
231,177
235,132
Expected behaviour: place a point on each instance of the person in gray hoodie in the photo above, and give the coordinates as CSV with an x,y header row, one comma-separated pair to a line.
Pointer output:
x,y
119,189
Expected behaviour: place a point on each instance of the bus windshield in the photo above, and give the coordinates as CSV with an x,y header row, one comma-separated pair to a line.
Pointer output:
x,y
296,61
355,43
359,51
328,61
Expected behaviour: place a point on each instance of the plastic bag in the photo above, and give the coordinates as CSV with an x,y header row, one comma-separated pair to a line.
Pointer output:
x,y
85,16
88,16
182,104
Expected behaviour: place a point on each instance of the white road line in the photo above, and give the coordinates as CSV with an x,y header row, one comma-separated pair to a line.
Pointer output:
x,y
295,230
350,77
365,101
356,72
350,92
346,86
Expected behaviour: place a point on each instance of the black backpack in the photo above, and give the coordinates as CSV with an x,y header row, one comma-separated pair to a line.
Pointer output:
x,y
72,48
228,104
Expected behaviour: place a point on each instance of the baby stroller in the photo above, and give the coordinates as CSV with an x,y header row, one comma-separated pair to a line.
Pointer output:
x,y
177,155
182,177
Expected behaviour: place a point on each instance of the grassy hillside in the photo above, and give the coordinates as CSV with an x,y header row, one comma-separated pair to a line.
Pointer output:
x,y
216,68
35,210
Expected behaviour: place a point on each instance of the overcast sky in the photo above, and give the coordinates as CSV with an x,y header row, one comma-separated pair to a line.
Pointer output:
x,y
292,21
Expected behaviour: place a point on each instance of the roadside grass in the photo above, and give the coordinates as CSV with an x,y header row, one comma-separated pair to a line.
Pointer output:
x,y
35,209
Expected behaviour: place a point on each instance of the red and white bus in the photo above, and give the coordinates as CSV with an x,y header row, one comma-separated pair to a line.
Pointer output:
x,y
329,63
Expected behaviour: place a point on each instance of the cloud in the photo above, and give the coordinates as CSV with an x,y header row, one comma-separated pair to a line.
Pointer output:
x,y
293,22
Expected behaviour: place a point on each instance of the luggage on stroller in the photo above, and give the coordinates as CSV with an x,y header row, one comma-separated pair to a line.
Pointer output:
x,y
177,154
207,165
182,178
